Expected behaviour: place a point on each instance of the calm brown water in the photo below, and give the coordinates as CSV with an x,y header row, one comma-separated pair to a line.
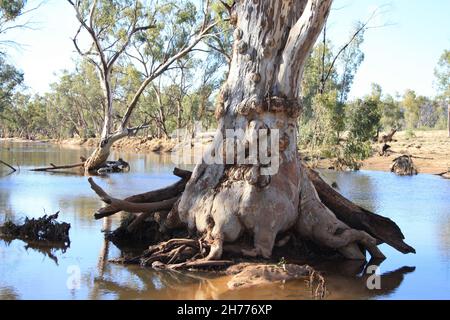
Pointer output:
x,y
420,205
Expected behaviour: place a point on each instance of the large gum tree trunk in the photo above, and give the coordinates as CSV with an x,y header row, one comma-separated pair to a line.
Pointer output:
x,y
272,40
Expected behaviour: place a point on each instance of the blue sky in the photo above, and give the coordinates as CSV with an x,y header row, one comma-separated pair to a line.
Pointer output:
x,y
398,56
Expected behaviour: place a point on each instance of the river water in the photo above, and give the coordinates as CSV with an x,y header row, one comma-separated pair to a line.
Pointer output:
x,y
420,205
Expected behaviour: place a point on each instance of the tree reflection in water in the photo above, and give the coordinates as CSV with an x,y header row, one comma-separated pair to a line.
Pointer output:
x,y
344,280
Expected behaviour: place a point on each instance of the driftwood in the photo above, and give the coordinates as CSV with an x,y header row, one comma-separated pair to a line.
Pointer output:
x,y
385,149
169,192
404,166
44,230
445,174
107,167
114,166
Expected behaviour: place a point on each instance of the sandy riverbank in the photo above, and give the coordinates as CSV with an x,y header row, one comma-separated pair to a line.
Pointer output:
x,y
430,151
136,144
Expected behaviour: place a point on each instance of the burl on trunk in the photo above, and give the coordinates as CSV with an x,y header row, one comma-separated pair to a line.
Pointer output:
x,y
272,40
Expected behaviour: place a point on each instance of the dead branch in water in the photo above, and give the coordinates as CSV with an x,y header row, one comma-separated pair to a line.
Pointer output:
x,y
8,165
44,230
55,167
169,192
132,207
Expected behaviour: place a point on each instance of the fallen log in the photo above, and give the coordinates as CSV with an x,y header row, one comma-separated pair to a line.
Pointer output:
x,y
388,137
55,167
382,228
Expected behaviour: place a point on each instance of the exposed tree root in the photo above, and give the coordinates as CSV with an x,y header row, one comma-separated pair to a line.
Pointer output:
x,y
171,191
382,228
326,219
180,253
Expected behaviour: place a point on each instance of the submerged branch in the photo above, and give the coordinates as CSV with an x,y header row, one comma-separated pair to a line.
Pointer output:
x,y
9,166
54,167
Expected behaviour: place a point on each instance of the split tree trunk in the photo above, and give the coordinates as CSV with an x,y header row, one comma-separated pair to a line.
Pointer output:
x,y
272,40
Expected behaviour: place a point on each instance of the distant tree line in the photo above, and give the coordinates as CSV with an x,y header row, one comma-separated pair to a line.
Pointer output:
x,y
331,125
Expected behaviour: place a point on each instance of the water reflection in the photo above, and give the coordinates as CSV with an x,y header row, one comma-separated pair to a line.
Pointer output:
x,y
420,205
348,282
357,279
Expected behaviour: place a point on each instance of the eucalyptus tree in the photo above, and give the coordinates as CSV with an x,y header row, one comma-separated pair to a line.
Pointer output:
x,y
233,192
442,75
261,92
119,29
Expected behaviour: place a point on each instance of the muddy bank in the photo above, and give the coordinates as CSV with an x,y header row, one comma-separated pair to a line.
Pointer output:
x,y
132,143
141,144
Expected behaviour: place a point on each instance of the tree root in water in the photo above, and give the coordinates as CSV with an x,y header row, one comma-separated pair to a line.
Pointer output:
x,y
182,253
326,220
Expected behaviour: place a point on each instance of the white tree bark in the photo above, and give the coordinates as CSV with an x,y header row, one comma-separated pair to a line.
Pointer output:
x,y
272,40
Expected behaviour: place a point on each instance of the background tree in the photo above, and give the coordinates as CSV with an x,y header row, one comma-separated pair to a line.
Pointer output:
x,y
442,74
113,27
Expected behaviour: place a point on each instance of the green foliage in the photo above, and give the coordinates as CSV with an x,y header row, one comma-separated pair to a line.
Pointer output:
x,y
410,133
391,114
442,74
327,81
10,81
411,106
11,9
362,121
363,117
350,60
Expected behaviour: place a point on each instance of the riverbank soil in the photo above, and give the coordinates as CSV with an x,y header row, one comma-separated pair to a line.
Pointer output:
x,y
430,151
141,144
